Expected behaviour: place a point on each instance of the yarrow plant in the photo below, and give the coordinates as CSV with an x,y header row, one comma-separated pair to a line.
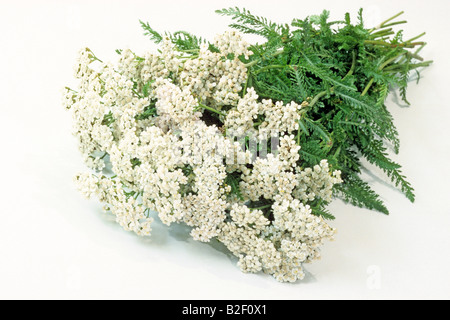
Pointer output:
x,y
244,143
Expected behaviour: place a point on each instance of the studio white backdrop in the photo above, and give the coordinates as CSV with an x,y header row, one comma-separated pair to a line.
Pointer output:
x,y
56,245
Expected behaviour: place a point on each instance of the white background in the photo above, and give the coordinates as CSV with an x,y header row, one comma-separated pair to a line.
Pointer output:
x,y
56,245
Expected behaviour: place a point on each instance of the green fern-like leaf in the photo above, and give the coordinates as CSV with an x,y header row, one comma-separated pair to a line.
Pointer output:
x,y
249,23
155,36
358,193
375,152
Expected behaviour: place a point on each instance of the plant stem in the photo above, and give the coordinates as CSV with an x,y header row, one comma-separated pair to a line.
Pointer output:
x,y
71,90
244,91
273,66
184,59
383,24
252,63
367,87
381,31
352,68
211,109
414,54
262,207
382,34
393,45
94,56
189,50
420,48
395,23
317,97
411,66
136,93
390,60
381,67
416,37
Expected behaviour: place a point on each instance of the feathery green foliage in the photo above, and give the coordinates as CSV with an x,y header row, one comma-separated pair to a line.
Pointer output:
x,y
182,39
345,72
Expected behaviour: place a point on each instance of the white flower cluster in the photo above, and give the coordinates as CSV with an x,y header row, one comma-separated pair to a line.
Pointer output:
x,y
130,214
213,78
316,182
276,117
161,124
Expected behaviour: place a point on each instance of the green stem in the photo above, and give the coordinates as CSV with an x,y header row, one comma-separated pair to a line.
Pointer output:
x,y
420,48
394,23
189,50
352,68
94,56
184,59
244,91
411,66
382,31
67,88
272,66
136,93
414,54
252,63
416,37
211,109
382,34
262,207
393,45
367,87
383,24
338,150
382,66
317,97
390,60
